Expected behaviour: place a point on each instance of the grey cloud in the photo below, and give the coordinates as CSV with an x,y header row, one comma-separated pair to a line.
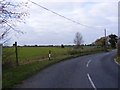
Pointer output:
x,y
43,27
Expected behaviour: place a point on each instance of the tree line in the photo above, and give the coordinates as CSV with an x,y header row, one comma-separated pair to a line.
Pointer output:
x,y
110,40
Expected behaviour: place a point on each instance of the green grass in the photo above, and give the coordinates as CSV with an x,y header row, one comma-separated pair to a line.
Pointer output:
x,y
14,76
91,47
32,53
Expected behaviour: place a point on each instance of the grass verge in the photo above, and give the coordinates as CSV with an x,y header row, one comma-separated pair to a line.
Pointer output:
x,y
118,60
14,76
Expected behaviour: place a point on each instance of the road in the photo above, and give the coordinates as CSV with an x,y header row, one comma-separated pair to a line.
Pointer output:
x,y
91,71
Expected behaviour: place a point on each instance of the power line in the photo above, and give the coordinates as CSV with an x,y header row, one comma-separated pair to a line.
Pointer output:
x,y
60,15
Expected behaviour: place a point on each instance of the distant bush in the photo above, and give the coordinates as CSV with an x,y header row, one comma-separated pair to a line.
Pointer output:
x,y
73,52
80,51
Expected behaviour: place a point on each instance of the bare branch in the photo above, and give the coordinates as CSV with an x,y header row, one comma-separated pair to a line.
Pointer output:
x,y
10,14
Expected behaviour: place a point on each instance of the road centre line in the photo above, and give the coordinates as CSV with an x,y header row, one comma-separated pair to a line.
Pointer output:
x,y
88,63
93,85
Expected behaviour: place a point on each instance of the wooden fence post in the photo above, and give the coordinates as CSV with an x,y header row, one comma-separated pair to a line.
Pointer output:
x,y
16,53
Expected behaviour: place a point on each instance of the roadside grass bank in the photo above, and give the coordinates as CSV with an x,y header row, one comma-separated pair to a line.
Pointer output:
x,y
117,60
14,76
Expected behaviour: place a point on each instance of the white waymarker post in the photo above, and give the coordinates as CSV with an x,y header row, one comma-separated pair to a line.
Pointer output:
x,y
49,54
0,66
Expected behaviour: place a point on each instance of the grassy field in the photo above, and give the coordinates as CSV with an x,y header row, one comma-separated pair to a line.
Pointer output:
x,y
33,53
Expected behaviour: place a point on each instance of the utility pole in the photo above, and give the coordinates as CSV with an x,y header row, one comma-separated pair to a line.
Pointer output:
x,y
105,40
16,52
118,43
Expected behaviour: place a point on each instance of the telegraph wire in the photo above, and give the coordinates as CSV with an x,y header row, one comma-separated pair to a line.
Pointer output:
x,y
61,15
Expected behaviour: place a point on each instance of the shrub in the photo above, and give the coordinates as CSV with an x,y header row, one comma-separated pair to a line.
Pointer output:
x,y
74,51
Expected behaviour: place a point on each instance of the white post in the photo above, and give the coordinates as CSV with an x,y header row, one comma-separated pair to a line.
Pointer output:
x,y
49,54
0,66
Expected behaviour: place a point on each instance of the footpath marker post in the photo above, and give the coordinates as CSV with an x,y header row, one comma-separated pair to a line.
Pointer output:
x,y
49,54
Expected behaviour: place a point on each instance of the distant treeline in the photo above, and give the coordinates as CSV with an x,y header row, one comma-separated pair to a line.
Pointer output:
x,y
50,45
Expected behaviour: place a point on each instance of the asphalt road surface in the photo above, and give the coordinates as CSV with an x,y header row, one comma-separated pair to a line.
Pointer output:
x,y
91,71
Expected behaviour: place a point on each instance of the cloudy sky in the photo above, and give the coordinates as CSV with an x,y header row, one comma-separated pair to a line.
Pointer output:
x,y
43,27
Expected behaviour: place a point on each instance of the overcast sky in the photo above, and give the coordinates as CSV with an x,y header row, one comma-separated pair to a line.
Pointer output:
x,y
43,27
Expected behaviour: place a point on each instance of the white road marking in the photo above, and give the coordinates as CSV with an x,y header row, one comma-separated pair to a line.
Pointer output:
x,y
88,63
93,85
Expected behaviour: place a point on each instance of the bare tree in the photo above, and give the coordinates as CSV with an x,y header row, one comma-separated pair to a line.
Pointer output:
x,y
78,40
11,13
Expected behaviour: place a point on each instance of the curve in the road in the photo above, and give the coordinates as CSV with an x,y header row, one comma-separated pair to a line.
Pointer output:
x,y
91,71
